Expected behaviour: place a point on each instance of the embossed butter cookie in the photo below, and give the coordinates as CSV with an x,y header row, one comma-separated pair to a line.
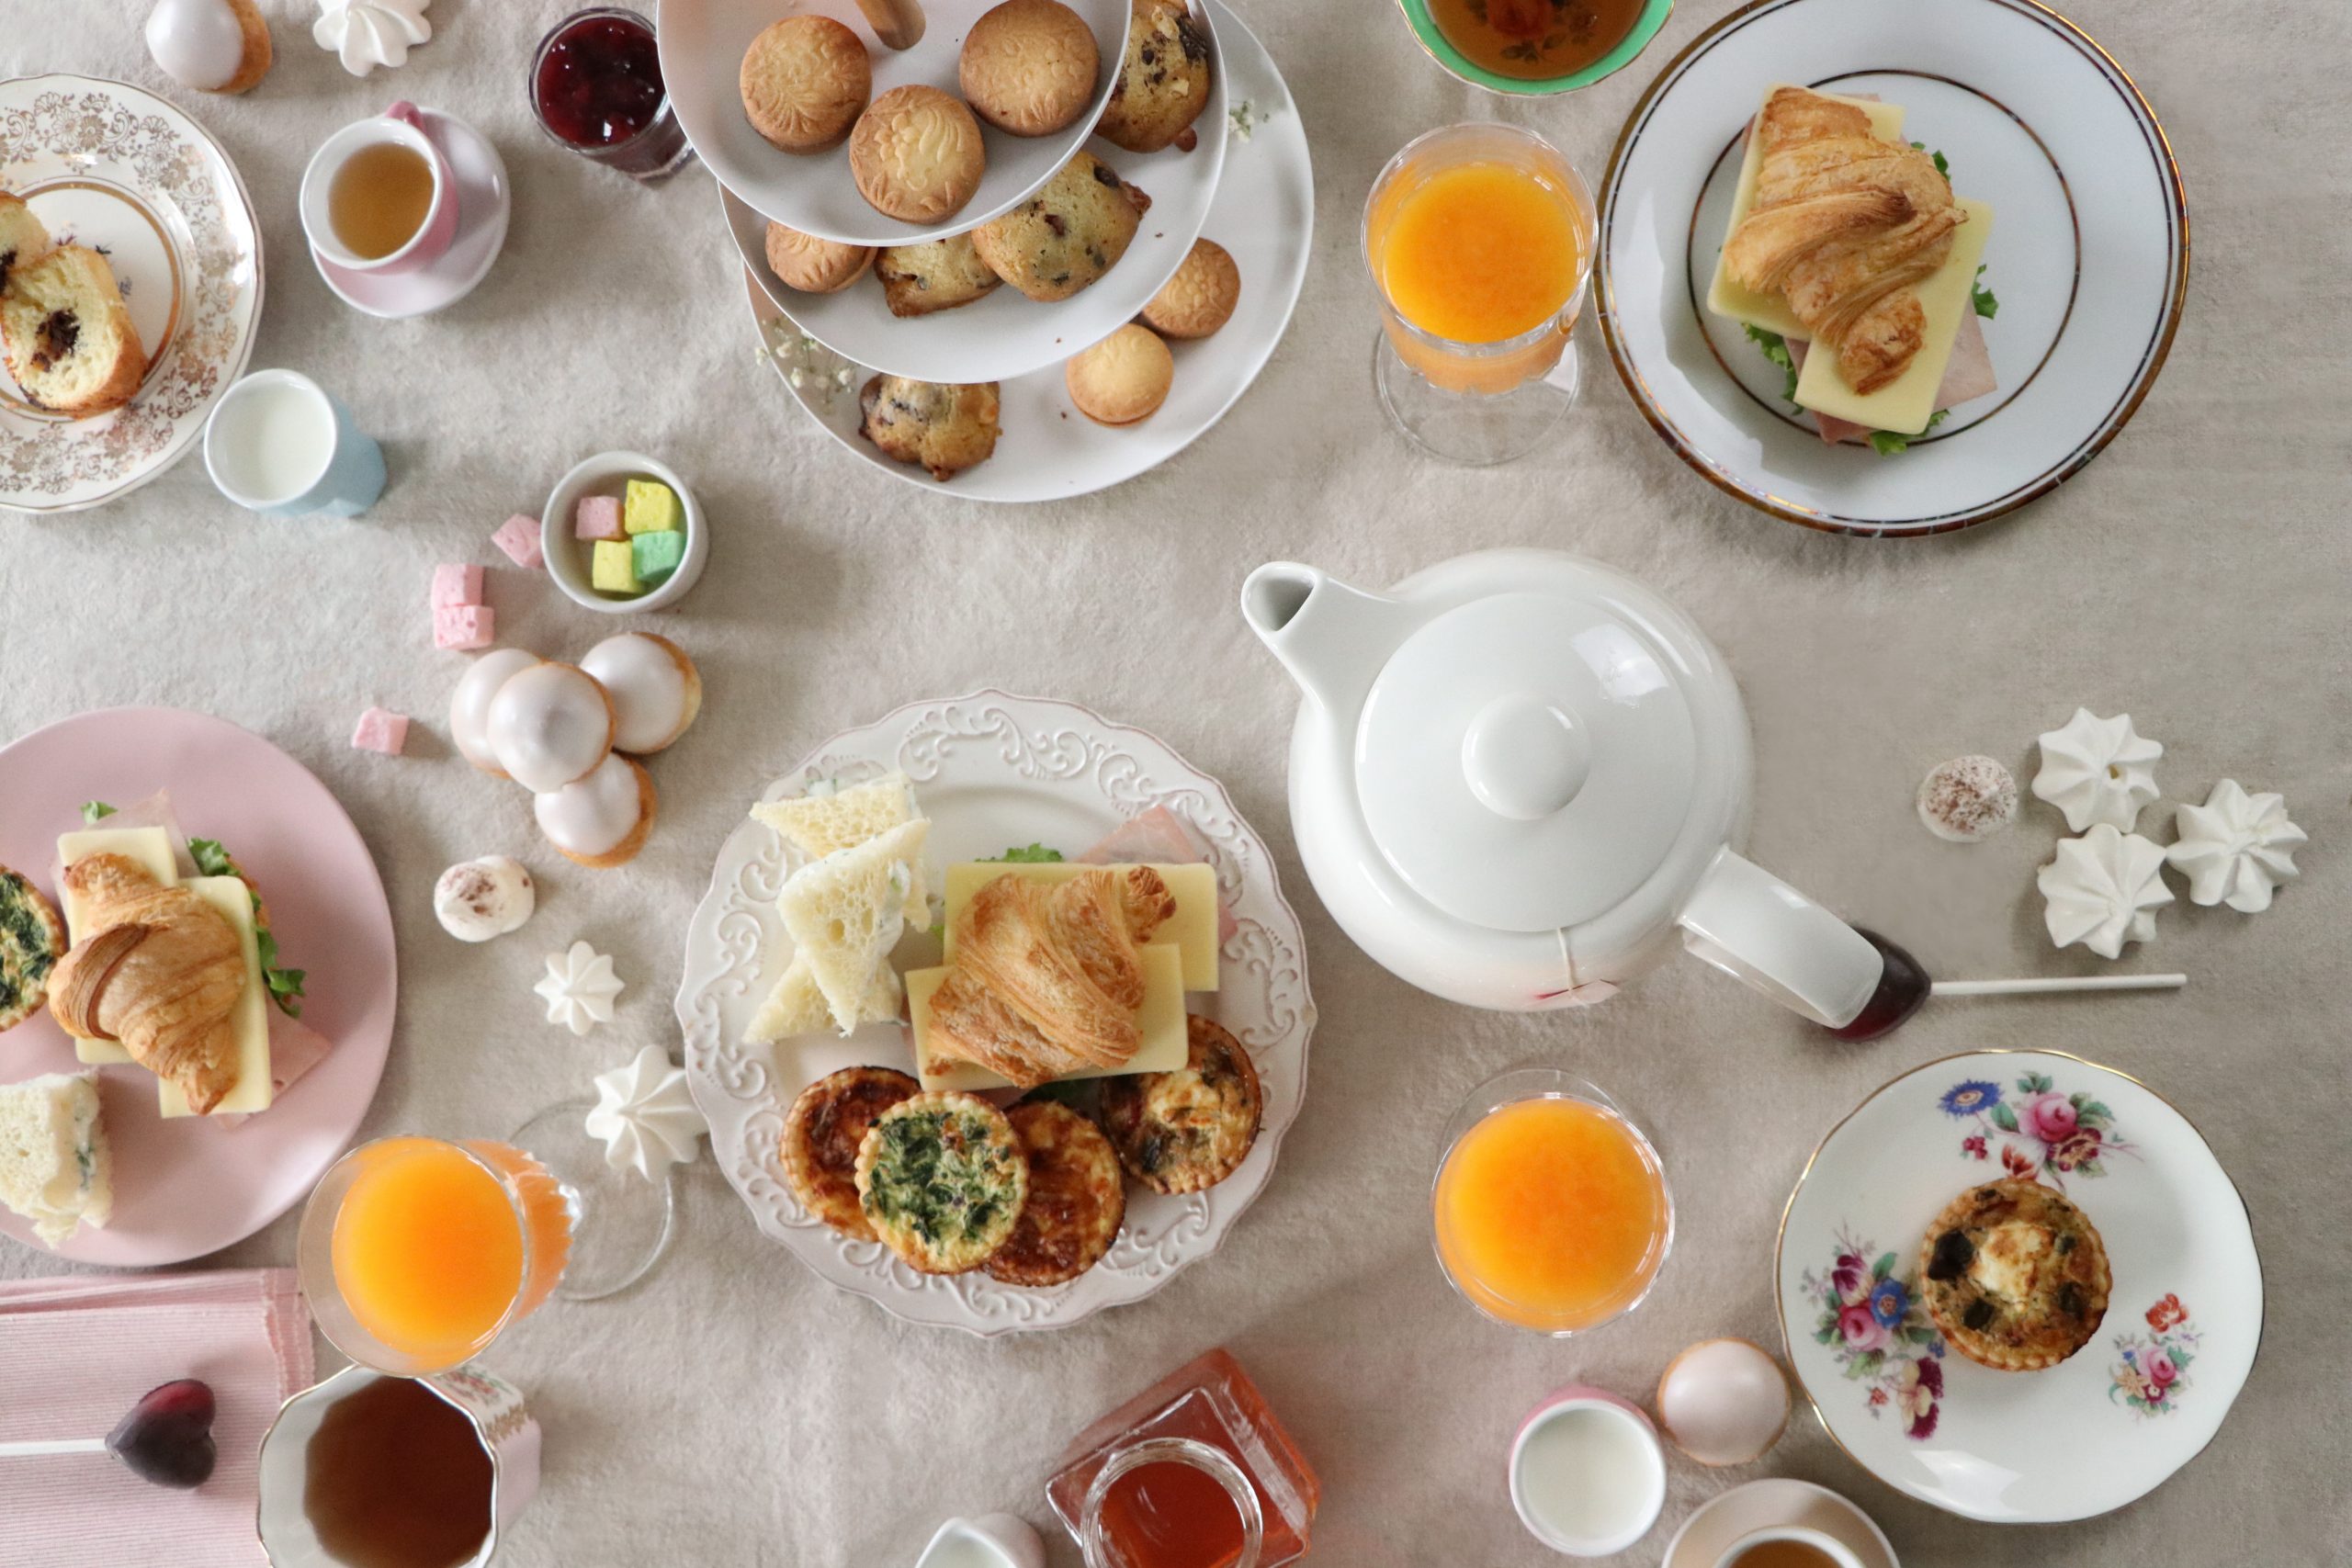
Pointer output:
x,y
916,154
804,81
1029,67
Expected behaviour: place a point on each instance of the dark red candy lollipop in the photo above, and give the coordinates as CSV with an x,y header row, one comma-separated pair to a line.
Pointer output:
x,y
167,1436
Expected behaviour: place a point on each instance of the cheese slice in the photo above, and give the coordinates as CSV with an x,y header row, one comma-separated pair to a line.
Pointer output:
x,y
249,1022
1906,403
1728,297
1192,930
151,848
1166,1038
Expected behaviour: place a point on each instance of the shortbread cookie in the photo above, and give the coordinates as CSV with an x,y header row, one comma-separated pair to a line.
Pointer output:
x,y
1122,378
814,265
916,154
945,427
1029,67
936,275
1068,235
1200,297
1163,80
805,80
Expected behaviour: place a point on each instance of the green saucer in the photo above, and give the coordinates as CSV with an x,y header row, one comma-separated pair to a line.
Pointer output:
x,y
1425,28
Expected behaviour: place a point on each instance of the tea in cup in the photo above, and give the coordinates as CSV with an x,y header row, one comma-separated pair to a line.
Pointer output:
x,y
379,196
1788,1546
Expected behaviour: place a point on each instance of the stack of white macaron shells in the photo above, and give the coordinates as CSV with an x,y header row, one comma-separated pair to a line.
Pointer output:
x,y
572,734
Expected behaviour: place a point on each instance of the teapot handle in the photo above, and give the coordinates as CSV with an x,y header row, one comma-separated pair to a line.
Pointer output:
x,y
1751,924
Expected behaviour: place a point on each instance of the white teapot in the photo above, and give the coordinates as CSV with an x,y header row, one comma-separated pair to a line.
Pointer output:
x,y
1517,776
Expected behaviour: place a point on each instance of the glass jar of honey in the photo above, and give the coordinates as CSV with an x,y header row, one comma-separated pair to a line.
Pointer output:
x,y
1196,1472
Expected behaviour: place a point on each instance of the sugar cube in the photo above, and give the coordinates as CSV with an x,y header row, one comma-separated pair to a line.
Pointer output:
x,y
614,569
380,732
455,585
465,626
599,517
653,508
519,538
656,556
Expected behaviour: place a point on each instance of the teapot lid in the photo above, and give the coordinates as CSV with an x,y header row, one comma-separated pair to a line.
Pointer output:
x,y
1526,761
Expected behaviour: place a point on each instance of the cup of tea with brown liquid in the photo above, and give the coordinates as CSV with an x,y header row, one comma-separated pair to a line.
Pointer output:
x,y
1789,1546
379,196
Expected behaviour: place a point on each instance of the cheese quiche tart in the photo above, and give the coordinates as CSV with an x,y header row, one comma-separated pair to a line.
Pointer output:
x,y
1187,1130
1076,1198
822,1133
2015,1276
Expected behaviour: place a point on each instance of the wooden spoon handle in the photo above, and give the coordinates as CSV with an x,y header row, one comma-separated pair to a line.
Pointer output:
x,y
897,23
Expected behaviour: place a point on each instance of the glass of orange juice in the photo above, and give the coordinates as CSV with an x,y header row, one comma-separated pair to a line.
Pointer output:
x,y
1479,240
1551,1206
416,1253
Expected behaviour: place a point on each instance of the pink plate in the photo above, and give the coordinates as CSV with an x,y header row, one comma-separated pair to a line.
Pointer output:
x,y
184,1188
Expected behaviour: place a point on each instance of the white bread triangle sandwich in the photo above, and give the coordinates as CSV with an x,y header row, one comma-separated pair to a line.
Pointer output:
x,y
796,1007
820,824
845,912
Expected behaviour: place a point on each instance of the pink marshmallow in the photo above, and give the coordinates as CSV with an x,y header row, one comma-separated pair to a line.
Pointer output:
x,y
456,585
519,538
465,626
599,517
380,732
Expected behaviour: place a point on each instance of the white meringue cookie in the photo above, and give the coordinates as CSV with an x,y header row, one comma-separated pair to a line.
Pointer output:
x,y
478,899
368,33
2236,848
645,1115
579,989
2096,770
2103,890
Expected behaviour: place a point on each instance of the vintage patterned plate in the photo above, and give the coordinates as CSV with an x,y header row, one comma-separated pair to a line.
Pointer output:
x,y
993,771
2100,1429
118,168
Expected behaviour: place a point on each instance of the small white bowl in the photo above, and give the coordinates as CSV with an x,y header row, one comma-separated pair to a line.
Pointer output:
x,y
1607,1419
568,556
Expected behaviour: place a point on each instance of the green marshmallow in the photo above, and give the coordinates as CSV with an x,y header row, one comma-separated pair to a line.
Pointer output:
x,y
656,556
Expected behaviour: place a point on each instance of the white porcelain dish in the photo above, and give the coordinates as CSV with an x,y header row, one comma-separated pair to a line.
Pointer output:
x,y
116,167
567,555
991,771
702,44
2088,256
485,205
2113,1421
1263,213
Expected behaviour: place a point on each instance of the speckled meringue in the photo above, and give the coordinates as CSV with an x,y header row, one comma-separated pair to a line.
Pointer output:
x,y
579,987
2103,890
2236,848
645,1116
368,33
2096,770
1968,799
478,899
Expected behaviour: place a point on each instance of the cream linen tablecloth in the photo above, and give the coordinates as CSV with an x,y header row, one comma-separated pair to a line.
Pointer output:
x,y
736,1411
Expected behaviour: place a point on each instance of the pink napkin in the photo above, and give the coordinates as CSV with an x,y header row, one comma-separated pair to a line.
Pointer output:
x,y
77,1351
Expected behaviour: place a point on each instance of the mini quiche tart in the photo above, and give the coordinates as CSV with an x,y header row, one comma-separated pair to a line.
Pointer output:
x,y
32,939
942,1179
1186,1131
1076,1198
2015,1276
822,1133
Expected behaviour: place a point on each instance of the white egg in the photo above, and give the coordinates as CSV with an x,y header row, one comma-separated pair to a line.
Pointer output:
x,y
1723,1401
198,44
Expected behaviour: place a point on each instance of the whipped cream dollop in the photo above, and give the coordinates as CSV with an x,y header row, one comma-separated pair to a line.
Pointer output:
x,y
2236,848
579,989
365,34
478,899
2098,770
2103,890
644,1115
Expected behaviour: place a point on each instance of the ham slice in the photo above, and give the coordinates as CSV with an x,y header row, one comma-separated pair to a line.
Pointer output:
x,y
294,1049
1969,376
1159,837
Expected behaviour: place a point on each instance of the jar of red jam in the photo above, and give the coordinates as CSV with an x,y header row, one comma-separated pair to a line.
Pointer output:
x,y
1196,1472
596,88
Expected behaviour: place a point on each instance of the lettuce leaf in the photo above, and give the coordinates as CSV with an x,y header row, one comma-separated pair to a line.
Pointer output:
x,y
1776,349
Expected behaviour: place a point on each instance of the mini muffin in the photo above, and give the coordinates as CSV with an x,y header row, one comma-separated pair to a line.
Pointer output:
x,y
814,265
1029,67
822,1133
1200,297
942,1179
1076,1198
1068,235
31,942
1186,1131
805,80
1122,378
2015,1276
936,275
917,156
1163,80
943,426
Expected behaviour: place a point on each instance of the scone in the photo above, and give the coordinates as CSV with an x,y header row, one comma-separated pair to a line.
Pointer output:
x,y
1200,297
945,427
937,275
2015,1276
1122,378
1029,67
822,1133
814,265
942,1179
32,939
917,156
805,80
1186,1131
23,237
1068,235
69,339
1076,1198
1163,80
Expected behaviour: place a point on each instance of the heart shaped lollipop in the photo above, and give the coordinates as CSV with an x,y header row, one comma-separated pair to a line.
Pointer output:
x,y
166,1439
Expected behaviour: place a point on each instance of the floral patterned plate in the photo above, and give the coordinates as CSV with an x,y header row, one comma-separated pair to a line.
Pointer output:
x,y
118,168
993,771
2103,1428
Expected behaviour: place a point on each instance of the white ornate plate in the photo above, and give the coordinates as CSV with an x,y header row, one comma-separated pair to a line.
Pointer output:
x,y
993,771
2100,1429
2088,254
120,169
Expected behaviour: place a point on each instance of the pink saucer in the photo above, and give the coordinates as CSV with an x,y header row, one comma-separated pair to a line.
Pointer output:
x,y
184,1188
483,206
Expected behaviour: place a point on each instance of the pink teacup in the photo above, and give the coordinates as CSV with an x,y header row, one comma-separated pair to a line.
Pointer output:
x,y
405,124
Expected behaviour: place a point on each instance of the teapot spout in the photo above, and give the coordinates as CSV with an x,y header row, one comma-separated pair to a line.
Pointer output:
x,y
1331,638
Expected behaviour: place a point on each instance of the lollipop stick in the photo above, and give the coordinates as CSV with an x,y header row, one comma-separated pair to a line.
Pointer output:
x,y
32,1446
2063,982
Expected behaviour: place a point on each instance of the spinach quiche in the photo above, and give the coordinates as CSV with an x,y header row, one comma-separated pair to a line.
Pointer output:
x,y
32,939
1187,1130
1076,1198
823,1133
942,1179
2015,1276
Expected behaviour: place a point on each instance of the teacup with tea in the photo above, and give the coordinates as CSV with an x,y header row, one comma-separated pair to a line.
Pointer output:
x,y
379,196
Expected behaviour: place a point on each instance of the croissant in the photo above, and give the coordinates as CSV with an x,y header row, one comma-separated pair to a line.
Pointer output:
x,y
159,970
1843,224
1047,980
